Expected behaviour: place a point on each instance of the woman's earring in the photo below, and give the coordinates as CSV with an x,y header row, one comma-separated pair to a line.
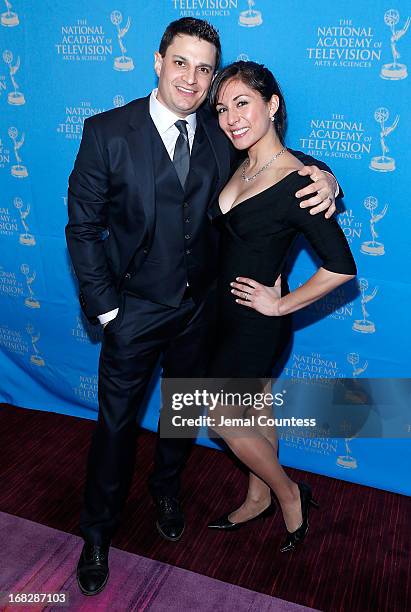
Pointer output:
x,y
273,118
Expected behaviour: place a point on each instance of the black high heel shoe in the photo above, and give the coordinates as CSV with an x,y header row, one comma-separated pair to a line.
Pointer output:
x,y
296,537
225,524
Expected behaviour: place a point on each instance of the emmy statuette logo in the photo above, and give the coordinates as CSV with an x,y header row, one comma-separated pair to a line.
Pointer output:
x,y
383,163
17,170
118,101
30,301
9,19
26,239
347,461
364,325
372,247
16,98
354,360
395,71
250,18
121,63
35,358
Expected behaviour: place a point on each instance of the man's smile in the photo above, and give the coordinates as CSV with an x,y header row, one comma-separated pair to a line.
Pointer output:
x,y
185,91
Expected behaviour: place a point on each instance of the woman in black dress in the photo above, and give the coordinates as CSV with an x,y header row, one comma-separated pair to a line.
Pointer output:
x,y
260,217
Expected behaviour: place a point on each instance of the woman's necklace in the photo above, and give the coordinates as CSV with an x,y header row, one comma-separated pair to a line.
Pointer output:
x,y
247,179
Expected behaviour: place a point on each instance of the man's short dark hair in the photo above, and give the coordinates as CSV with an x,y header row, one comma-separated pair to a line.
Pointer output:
x,y
191,27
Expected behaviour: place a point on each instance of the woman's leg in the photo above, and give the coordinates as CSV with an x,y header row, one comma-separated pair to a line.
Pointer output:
x,y
259,493
259,456
257,500
256,447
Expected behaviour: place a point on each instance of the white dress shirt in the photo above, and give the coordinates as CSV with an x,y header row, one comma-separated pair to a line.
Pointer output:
x,y
164,120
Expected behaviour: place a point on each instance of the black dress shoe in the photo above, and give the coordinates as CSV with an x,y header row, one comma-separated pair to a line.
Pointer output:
x,y
92,569
170,519
225,524
295,538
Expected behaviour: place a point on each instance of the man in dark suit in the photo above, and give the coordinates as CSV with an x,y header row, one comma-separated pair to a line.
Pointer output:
x,y
145,254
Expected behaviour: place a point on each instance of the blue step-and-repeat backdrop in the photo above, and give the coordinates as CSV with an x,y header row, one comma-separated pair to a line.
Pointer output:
x,y
343,69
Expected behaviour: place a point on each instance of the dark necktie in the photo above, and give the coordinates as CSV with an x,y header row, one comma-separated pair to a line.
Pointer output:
x,y
181,158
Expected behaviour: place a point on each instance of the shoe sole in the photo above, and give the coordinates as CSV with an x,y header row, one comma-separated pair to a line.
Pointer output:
x,y
90,593
235,527
166,537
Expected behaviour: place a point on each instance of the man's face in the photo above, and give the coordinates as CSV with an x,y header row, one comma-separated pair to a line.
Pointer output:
x,y
185,74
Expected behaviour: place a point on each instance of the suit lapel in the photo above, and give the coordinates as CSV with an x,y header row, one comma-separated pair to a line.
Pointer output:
x,y
140,147
141,151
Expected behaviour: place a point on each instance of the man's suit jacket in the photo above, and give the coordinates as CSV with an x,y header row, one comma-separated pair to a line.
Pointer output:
x,y
111,198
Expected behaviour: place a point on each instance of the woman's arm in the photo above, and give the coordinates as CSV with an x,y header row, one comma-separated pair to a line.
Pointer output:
x,y
269,302
321,283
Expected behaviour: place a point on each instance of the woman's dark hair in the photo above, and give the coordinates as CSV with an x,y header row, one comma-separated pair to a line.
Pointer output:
x,y
191,27
257,77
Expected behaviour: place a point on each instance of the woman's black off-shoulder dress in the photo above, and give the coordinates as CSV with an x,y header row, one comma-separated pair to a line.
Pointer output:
x,y
257,235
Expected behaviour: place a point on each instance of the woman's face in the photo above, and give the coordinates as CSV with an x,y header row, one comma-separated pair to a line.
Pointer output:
x,y
243,114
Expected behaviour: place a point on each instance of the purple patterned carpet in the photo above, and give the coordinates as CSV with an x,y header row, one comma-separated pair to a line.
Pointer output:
x,y
38,559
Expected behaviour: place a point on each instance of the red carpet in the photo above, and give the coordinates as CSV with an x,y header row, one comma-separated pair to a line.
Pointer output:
x,y
356,556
